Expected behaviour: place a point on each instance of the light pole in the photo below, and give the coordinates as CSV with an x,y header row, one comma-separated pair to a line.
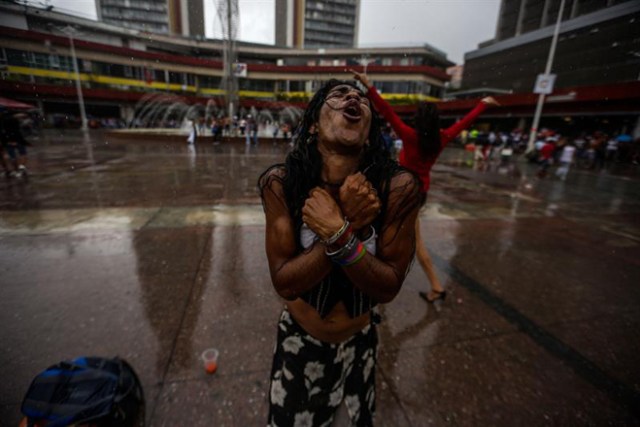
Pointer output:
x,y
70,32
552,51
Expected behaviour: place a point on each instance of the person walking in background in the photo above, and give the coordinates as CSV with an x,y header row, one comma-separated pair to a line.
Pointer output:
x,y
214,128
3,147
201,125
546,157
612,150
193,133
217,129
421,147
599,146
566,159
253,128
226,128
285,130
247,129
251,135
14,143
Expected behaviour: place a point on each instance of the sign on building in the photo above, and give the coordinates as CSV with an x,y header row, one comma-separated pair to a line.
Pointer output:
x,y
240,69
544,84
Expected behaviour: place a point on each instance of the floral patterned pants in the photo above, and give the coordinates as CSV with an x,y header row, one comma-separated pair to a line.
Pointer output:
x,y
310,378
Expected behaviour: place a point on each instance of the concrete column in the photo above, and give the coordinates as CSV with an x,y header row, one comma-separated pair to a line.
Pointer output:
x,y
545,12
523,3
574,9
357,24
498,36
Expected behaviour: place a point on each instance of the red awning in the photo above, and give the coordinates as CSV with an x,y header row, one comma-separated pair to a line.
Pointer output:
x,y
15,105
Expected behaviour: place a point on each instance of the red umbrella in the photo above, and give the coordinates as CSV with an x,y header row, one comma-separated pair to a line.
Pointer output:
x,y
15,105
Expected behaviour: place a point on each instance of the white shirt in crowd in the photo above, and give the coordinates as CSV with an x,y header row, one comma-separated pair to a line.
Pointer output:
x,y
567,154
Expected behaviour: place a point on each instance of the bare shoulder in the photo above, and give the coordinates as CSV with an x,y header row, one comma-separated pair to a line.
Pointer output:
x,y
405,184
275,173
405,195
271,187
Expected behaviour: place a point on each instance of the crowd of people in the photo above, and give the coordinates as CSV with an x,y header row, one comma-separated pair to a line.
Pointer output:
x,y
596,150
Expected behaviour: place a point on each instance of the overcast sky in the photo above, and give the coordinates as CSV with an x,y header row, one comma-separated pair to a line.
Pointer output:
x,y
453,26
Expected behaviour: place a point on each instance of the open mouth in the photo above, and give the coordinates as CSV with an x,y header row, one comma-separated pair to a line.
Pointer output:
x,y
352,111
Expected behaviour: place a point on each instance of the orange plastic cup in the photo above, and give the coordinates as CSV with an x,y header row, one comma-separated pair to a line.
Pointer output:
x,y
210,360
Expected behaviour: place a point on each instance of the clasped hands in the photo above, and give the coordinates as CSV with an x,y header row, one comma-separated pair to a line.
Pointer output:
x,y
358,202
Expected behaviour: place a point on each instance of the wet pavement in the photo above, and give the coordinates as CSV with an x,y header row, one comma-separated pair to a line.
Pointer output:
x,y
154,252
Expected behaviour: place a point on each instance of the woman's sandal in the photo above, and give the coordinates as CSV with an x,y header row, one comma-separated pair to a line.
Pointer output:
x,y
441,295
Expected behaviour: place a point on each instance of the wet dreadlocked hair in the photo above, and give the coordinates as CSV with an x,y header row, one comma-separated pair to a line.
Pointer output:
x,y
303,164
427,125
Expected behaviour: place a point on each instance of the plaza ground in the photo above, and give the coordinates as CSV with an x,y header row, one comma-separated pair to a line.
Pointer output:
x,y
154,251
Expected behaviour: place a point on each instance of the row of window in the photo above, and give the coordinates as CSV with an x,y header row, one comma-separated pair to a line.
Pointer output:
x,y
330,17
160,28
63,63
316,36
140,4
331,7
409,87
161,7
57,62
140,15
331,28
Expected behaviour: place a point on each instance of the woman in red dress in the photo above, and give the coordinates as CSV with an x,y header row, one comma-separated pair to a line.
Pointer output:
x,y
421,147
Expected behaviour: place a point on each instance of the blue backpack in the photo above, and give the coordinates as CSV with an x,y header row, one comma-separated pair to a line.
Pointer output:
x,y
100,391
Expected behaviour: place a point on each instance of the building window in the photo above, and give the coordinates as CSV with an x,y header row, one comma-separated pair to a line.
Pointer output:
x,y
54,61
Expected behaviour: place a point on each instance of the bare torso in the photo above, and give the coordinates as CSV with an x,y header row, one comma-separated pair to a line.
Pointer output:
x,y
336,327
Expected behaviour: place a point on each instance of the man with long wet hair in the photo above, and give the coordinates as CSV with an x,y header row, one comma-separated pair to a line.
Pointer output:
x,y
340,237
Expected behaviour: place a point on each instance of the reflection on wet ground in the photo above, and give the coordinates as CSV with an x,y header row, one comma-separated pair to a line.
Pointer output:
x,y
154,252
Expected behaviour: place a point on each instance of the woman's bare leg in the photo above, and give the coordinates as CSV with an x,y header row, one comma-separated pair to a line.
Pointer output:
x,y
425,261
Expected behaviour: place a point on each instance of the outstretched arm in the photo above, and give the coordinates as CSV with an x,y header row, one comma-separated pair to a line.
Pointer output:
x,y
451,132
383,107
